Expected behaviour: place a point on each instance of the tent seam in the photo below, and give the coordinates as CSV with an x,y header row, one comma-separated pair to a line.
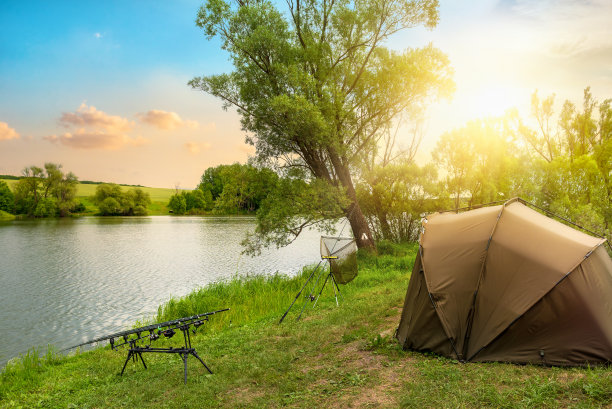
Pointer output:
x,y
579,264
472,312
433,303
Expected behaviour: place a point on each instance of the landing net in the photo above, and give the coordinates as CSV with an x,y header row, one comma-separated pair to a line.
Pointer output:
x,y
341,252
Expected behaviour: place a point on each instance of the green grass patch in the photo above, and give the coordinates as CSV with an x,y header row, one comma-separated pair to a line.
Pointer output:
x,y
4,216
339,357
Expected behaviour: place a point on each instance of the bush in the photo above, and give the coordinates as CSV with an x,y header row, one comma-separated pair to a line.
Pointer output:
x,y
7,199
46,207
109,207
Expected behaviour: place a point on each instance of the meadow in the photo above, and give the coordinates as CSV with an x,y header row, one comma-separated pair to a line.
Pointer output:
x,y
159,197
334,357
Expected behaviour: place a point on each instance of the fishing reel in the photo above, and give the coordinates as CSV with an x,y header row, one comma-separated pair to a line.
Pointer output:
x,y
153,336
197,324
169,333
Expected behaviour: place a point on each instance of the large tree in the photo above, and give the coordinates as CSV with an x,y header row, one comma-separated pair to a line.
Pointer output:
x,y
316,86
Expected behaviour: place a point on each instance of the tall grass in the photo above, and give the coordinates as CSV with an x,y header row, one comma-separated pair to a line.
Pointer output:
x,y
257,297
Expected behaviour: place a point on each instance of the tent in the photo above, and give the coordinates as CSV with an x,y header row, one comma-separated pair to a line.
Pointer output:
x,y
506,283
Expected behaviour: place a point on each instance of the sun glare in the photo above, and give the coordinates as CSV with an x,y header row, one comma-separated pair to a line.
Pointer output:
x,y
491,100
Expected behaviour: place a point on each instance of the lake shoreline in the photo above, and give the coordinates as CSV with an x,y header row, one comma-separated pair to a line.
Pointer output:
x,y
72,279
342,356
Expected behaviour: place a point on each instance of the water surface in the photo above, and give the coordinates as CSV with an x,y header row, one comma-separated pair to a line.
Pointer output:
x,y
64,281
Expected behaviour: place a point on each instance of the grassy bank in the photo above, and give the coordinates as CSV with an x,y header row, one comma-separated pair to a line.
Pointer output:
x,y
334,357
4,216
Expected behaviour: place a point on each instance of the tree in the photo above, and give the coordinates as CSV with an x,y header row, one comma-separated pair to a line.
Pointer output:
x,y
45,192
212,182
316,87
112,201
481,163
7,199
178,204
575,181
244,188
395,196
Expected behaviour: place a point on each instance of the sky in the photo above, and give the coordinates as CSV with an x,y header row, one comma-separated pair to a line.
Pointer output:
x,y
101,87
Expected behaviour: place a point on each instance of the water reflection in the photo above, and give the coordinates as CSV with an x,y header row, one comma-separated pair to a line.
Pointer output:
x,y
63,281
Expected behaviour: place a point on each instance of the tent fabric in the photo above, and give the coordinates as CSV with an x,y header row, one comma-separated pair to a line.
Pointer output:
x,y
420,327
506,283
455,248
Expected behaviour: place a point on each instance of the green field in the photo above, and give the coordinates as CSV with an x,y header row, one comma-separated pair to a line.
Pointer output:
x,y
159,197
335,357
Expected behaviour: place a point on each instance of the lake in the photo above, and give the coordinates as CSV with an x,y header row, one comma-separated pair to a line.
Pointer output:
x,y
64,281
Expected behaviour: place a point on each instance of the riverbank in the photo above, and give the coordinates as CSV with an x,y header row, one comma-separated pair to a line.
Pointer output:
x,y
334,357
4,216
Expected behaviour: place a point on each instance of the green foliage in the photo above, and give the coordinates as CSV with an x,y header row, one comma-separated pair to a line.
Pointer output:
x,y
481,163
318,203
244,188
178,204
109,207
212,182
45,192
7,199
113,201
45,207
227,189
395,196
316,87
79,207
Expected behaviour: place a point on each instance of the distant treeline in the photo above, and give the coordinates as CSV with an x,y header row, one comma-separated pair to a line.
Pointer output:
x,y
83,182
49,192
226,189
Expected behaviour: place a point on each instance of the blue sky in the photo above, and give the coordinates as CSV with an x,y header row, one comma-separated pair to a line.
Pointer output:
x,y
101,86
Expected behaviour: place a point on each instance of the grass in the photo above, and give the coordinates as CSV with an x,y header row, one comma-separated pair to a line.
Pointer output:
x,y
159,197
334,357
4,216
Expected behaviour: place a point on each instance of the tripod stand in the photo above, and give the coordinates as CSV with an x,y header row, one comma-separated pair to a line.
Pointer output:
x,y
135,352
311,297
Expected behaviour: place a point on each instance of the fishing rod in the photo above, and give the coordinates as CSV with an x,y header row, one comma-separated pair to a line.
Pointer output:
x,y
149,328
168,329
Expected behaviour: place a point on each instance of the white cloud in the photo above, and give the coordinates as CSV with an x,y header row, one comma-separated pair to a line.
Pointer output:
x,y
89,116
93,129
195,147
83,139
6,132
165,120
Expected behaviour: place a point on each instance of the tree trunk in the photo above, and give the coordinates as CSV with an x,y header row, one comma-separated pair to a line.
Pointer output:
x,y
382,218
359,224
360,227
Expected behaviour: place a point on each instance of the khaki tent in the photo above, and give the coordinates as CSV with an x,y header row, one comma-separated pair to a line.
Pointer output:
x,y
506,283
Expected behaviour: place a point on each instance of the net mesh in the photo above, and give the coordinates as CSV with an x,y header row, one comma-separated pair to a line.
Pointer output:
x,y
344,267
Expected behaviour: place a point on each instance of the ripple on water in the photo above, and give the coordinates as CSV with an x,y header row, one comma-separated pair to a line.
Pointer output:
x,y
67,281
